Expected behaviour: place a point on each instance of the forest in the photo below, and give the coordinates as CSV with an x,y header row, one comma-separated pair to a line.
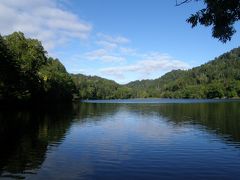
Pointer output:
x,y
219,78
28,74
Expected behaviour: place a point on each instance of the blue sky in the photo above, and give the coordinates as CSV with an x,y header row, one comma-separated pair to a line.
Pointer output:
x,y
122,40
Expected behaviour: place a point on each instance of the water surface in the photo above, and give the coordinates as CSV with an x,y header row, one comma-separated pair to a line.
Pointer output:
x,y
140,139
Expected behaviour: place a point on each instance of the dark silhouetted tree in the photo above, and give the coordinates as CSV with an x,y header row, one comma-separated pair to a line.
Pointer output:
x,y
220,14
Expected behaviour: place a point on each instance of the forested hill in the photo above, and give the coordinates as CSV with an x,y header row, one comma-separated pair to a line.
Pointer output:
x,y
94,87
216,79
28,74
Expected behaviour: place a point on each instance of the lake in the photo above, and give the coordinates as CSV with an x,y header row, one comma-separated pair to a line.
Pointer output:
x,y
122,139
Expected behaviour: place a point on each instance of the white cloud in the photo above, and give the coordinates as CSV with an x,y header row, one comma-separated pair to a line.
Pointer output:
x,y
153,63
95,54
113,39
103,55
128,51
106,45
112,42
110,50
42,19
117,50
111,58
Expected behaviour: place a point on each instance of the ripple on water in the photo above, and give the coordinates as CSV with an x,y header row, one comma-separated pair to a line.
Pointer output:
x,y
106,141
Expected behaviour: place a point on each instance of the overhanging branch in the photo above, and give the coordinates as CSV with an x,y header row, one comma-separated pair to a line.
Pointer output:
x,y
182,2
179,3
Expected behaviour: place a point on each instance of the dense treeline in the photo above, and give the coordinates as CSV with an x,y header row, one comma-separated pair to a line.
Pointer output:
x,y
219,78
28,74
93,87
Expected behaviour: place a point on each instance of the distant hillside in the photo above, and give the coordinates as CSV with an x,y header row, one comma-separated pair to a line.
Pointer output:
x,y
219,78
27,74
94,87
216,79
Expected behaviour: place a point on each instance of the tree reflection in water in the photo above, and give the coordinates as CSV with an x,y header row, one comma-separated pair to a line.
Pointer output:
x,y
27,135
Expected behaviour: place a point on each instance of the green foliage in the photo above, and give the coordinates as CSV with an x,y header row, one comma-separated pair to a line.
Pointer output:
x,y
29,56
220,14
216,79
215,90
26,74
93,87
58,84
9,71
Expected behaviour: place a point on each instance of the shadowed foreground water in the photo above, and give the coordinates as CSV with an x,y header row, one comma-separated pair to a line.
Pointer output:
x,y
173,140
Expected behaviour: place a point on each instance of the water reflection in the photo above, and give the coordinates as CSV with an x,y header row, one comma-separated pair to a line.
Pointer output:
x,y
220,118
28,136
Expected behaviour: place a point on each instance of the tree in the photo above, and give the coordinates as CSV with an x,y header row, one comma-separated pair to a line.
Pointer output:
x,y
58,84
30,55
26,74
215,91
220,14
9,72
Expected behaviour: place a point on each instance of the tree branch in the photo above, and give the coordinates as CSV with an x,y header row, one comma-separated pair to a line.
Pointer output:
x,y
180,3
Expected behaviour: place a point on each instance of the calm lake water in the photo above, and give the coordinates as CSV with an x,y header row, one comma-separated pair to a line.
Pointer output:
x,y
122,139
